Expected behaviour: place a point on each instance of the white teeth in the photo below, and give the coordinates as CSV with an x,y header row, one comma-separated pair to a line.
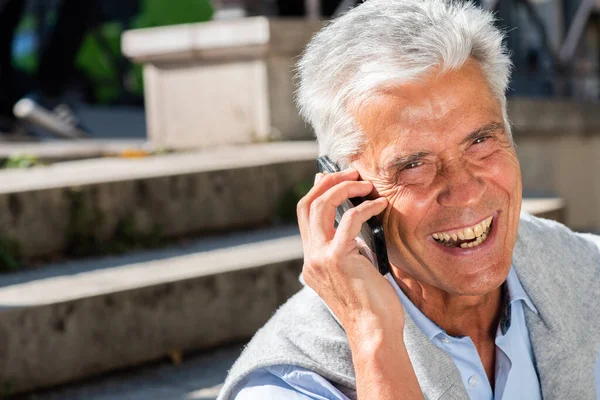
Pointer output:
x,y
488,222
469,234
476,243
478,232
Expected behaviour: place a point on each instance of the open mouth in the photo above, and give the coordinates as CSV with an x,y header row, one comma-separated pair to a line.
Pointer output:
x,y
467,237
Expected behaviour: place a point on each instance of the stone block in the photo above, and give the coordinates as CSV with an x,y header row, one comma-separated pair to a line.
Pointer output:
x,y
233,78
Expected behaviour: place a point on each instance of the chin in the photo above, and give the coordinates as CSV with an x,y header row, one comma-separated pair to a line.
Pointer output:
x,y
479,283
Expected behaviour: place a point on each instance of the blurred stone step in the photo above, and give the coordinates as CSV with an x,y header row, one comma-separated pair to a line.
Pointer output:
x,y
79,319
62,150
197,377
91,206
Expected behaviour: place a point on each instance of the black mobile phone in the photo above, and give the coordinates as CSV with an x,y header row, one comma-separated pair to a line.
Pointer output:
x,y
371,232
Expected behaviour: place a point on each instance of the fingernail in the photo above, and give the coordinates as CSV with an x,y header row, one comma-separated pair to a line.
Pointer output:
x,y
318,177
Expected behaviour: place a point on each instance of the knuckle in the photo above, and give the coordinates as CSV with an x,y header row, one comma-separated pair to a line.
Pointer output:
x,y
317,205
301,206
353,214
311,268
331,258
328,179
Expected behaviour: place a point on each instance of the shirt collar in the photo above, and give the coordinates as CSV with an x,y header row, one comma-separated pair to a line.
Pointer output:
x,y
516,291
430,329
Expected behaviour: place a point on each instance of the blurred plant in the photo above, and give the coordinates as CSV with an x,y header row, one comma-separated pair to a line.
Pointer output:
x,y
22,161
5,389
10,254
84,221
286,209
100,58
96,58
128,237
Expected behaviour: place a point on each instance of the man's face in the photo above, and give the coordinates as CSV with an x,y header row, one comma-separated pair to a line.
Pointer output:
x,y
439,152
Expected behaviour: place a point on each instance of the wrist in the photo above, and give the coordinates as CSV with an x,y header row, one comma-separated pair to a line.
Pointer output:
x,y
371,334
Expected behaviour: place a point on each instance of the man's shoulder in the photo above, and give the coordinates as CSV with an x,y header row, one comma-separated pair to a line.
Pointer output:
x,y
301,333
559,269
552,233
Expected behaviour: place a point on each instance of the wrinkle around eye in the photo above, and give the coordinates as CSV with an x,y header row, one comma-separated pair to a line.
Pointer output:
x,y
422,174
485,148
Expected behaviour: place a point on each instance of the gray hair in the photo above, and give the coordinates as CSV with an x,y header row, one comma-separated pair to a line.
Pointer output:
x,y
385,42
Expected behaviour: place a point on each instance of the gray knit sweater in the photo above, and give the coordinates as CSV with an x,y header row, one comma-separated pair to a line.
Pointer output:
x,y
560,271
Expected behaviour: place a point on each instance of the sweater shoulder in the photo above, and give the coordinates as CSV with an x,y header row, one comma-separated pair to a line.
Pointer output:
x,y
302,333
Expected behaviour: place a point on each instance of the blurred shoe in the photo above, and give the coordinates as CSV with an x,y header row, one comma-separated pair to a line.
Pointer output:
x,y
61,121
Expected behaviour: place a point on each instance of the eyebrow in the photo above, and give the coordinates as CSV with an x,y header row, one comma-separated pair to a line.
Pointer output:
x,y
402,161
484,130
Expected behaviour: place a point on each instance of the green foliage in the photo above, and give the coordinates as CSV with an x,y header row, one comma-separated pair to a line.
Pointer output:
x,y
102,47
161,13
5,389
22,161
83,222
128,237
26,62
96,57
83,240
10,254
286,209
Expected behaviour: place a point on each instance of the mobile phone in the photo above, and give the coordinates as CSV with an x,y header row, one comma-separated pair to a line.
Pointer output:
x,y
371,232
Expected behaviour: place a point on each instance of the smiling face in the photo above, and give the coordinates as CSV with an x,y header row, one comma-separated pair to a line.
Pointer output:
x,y
439,152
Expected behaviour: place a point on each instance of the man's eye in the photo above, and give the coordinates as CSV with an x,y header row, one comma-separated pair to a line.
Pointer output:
x,y
413,165
481,140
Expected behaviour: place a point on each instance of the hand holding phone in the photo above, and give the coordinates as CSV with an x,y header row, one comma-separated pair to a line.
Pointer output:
x,y
371,233
355,291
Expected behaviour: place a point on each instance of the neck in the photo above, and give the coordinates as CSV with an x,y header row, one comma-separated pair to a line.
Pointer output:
x,y
473,316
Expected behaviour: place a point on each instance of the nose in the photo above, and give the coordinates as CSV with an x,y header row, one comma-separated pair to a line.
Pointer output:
x,y
461,187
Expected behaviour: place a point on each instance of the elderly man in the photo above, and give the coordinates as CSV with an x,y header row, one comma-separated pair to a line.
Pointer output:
x,y
481,302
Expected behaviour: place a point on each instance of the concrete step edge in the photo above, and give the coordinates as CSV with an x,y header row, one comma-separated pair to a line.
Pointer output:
x,y
104,170
65,282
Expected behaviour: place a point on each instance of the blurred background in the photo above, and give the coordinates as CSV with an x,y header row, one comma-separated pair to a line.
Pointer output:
x,y
151,159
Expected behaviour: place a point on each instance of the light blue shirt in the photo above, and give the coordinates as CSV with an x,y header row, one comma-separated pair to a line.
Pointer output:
x,y
516,377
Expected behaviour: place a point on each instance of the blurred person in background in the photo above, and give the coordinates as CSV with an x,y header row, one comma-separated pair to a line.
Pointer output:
x,y
56,63
482,301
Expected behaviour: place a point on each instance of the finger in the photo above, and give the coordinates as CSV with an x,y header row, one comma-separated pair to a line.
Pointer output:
x,y
322,184
323,209
352,221
303,218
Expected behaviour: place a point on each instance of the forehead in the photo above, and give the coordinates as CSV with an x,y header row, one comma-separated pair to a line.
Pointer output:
x,y
439,109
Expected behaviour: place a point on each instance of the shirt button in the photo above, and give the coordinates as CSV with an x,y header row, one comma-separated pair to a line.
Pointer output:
x,y
473,381
444,340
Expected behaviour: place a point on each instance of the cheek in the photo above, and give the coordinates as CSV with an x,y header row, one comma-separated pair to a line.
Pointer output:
x,y
407,208
504,171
